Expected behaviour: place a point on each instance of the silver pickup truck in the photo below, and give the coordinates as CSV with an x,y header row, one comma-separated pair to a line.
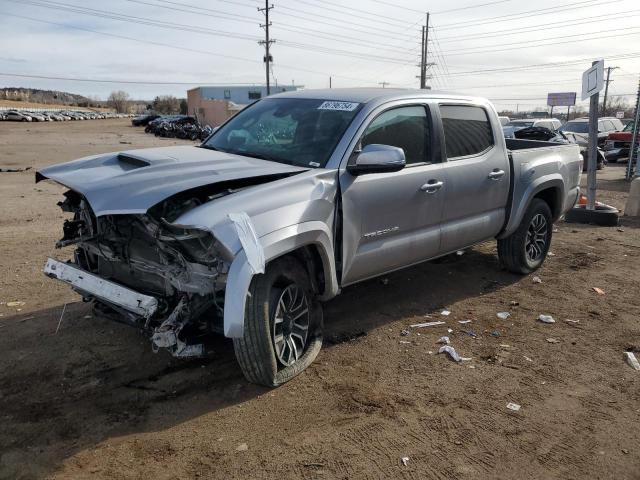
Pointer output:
x,y
296,197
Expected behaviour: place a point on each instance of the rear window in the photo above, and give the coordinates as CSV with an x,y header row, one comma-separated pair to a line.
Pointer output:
x,y
467,130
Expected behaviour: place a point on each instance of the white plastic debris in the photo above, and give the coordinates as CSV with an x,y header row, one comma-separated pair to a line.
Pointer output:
x,y
632,360
527,358
426,324
513,406
553,340
452,353
249,241
460,253
464,321
546,319
503,315
405,461
445,313
450,330
444,340
571,321
536,279
15,304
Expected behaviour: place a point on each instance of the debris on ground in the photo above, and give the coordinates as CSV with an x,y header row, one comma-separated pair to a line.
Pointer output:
x,y
536,279
452,353
426,324
384,281
503,315
15,304
405,461
571,321
599,291
449,330
513,406
445,313
243,447
553,340
495,333
551,254
14,170
471,333
444,340
514,303
464,321
527,358
460,253
404,342
546,319
632,360
404,333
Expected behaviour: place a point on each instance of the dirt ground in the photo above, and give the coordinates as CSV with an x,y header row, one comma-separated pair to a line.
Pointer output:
x,y
93,401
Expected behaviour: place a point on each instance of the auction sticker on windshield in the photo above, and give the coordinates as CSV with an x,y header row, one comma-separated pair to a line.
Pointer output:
x,y
341,106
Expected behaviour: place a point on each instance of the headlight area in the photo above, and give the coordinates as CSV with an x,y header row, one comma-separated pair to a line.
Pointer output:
x,y
180,267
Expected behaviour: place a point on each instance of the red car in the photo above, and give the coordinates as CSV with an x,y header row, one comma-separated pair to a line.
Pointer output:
x,y
618,144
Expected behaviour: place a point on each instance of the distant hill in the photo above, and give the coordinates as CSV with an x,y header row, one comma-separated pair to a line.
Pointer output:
x,y
50,97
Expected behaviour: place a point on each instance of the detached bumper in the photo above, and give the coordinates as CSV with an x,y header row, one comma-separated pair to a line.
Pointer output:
x,y
110,292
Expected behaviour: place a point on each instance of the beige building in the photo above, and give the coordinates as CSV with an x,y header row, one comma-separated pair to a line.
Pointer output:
x,y
214,105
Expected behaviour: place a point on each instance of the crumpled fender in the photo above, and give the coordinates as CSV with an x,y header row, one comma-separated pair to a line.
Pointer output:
x,y
274,245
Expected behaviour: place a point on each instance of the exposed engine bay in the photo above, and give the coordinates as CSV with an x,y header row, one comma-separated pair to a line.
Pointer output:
x,y
178,266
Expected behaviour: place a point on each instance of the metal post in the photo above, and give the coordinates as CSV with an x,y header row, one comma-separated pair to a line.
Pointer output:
x,y
551,114
592,159
634,139
330,82
568,112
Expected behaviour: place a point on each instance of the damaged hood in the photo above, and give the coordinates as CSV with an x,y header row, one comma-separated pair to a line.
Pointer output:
x,y
133,181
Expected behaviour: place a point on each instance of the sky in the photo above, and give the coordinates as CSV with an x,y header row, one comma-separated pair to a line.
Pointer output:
x,y
510,51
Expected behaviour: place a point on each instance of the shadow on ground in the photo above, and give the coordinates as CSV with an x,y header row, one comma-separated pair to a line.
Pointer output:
x,y
94,380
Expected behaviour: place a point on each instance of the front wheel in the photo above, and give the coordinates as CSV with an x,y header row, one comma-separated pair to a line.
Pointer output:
x,y
283,325
525,250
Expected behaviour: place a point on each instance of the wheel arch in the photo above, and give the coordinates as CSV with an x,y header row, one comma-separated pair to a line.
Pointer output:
x,y
548,188
310,242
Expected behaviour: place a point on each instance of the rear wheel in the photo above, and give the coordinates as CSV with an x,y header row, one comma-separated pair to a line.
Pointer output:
x,y
526,249
283,325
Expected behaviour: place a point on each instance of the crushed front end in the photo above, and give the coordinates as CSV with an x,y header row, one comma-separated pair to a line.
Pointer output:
x,y
141,269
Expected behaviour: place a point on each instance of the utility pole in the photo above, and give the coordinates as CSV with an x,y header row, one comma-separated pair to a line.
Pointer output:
x,y
267,42
330,82
384,84
422,62
426,51
606,90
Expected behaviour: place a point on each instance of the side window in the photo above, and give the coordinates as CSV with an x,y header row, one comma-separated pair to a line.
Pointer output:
x,y
610,126
403,127
467,130
601,126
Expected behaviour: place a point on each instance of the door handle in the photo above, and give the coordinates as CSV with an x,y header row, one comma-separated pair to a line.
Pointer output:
x,y
432,186
496,174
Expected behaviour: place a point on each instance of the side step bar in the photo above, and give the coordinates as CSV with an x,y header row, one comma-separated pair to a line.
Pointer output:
x,y
130,300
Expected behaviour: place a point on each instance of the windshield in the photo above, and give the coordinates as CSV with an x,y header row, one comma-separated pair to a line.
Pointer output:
x,y
577,127
628,127
520,124
295,131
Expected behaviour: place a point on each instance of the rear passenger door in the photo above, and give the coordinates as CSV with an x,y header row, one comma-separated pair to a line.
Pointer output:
x,y
476,176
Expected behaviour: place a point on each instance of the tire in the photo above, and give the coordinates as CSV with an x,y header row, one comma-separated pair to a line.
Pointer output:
x,y
603,215
525,250
263,360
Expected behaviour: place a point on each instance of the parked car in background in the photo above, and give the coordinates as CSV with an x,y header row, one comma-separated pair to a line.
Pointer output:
x,y
143,120
578,131
15,116
514,125
296,197
618,144
504,120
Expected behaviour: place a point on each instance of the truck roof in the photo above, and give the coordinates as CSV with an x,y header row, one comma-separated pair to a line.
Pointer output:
x,y
366,95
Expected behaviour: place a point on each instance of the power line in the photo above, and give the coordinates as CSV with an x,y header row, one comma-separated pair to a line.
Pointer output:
x,y
530,44
470,6
167,45
120,82
201,30
533,28
623,56
527,14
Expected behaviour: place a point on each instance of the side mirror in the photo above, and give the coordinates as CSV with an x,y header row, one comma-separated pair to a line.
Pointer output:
x,y
375,158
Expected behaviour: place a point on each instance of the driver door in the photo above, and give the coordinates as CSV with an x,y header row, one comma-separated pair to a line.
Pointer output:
x,y
392,220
